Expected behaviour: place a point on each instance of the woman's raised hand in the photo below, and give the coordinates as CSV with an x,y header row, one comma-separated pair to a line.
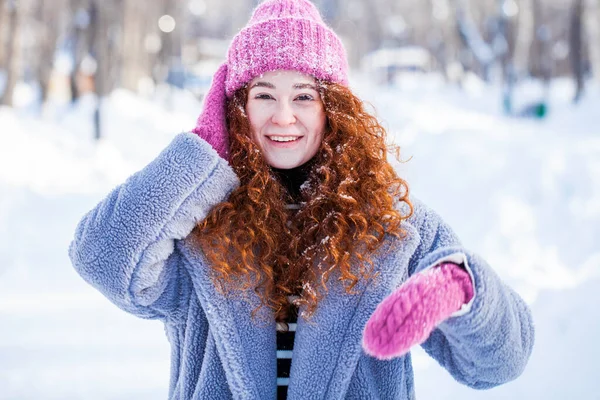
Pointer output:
x,y
211,125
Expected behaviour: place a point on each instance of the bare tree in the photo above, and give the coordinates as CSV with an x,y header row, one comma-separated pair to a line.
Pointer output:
x,y
171,48
47,19
524,36
592,28
79,39
2,30
541,51
135,31
448,47
11,53
480,55
99,47
369,27
576,46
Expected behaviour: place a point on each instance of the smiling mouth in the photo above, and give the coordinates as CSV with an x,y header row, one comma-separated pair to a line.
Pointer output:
x,y
284,139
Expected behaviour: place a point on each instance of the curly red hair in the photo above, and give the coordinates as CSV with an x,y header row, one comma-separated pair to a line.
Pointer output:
x,y
349,204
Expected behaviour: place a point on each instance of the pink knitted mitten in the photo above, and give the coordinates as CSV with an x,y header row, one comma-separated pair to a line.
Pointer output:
x,y
409,315
211,125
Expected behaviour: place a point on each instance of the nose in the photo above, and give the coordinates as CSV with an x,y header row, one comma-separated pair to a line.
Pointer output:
x,y
284,115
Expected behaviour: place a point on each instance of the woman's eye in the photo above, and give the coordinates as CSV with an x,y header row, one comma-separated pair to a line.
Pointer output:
x,y
305,97
263,96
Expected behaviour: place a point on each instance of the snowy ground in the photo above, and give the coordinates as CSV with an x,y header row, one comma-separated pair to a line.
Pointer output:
x,y
525,194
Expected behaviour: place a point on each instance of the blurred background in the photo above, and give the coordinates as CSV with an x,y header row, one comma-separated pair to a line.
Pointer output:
x,y
63,49
495,104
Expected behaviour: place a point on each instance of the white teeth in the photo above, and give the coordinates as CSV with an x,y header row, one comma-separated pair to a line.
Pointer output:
x,y
284,138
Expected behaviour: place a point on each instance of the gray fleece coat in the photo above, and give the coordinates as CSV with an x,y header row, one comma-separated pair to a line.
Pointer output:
x,y
134,247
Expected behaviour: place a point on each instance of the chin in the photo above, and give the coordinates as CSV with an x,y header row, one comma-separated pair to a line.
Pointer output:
x,y
284,164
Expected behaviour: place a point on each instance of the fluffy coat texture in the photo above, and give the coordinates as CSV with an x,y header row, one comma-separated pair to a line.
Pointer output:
x,y
134,248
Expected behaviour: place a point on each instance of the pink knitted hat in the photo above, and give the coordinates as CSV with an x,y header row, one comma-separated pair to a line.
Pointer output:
x,y
281,34
289,35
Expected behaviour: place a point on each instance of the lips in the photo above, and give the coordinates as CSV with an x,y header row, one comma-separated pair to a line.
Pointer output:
x,y
284,142
283,138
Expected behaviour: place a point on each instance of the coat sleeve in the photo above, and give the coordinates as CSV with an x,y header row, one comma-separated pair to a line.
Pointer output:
x,y
490,342
124,246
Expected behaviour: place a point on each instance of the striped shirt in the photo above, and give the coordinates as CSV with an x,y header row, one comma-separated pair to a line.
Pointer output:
x,y
292,179
285,346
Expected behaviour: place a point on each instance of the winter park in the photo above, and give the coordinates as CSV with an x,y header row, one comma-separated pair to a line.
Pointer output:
x,y
494,104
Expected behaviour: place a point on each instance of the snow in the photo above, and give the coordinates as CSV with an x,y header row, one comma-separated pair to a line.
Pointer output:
x,y
524,194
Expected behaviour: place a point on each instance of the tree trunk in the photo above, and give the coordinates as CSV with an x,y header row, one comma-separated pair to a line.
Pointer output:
x,y
524,37
47,17
134,33
11,64
591,22
481,54
449,46
2,30
576,46
80,41
504,47
541,57
97,42
371,28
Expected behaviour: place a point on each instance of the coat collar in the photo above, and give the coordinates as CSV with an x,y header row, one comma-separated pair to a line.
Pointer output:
x,y
326,349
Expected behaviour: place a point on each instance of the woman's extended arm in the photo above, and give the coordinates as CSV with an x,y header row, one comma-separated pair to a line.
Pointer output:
x,y
485,343
125,245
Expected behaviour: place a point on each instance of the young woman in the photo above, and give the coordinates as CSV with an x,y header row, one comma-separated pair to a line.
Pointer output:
x,y
282,251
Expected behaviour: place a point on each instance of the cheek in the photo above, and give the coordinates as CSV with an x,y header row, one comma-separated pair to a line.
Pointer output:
x,y
251,117
255,125
318,142
257,114
314,120
319,128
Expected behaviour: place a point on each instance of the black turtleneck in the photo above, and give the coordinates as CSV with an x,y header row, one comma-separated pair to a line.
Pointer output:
x,y
293,178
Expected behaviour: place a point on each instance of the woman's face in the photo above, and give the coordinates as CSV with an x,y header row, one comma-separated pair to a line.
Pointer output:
x,y
286,116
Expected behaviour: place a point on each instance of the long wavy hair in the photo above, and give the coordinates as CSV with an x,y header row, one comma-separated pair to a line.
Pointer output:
x,y
349,203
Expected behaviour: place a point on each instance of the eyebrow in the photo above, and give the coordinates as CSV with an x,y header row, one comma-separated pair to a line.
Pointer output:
x,y
305,86
296,86
263,84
